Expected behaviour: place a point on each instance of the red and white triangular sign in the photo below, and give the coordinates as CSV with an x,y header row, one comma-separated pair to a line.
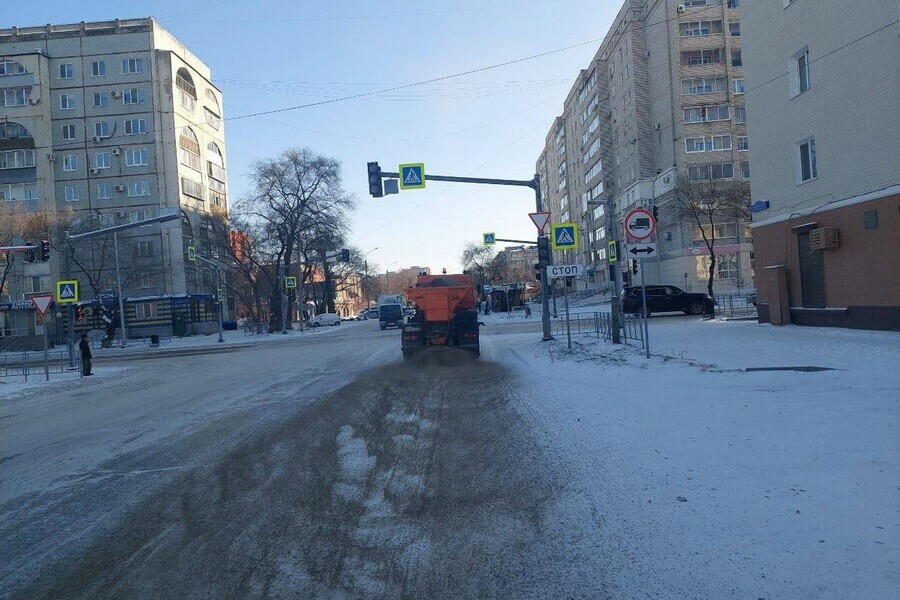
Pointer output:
x,y
540,220
42,302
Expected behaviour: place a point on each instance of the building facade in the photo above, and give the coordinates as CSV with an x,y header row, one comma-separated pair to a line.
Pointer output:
x,y
112,122
659,108
823,84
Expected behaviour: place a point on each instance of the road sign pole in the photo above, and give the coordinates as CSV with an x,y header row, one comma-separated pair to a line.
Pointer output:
x,y
644,301
568,320
119,288
220,299
46,357
615,308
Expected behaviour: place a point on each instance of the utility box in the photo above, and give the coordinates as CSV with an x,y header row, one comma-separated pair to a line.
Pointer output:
x,y
824,238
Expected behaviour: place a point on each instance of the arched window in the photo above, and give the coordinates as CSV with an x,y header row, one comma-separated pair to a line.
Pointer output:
x,y
215,155
189,148
212,111
187,92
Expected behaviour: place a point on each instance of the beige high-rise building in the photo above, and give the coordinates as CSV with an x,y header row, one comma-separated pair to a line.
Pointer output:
x,y
114,122
660,102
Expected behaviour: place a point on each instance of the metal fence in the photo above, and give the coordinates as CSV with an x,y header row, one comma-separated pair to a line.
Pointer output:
x,y
31,364
599,324
736,305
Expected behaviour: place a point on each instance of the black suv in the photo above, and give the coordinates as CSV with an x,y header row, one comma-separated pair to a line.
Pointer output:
x,y
666,298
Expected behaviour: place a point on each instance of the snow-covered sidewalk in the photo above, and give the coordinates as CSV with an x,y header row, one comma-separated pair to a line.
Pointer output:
x,y
713,483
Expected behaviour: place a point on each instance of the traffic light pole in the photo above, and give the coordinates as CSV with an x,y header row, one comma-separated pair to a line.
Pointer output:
x,y
534,183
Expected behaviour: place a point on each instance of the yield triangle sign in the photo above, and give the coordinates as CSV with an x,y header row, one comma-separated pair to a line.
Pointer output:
x,y
42,303
540,220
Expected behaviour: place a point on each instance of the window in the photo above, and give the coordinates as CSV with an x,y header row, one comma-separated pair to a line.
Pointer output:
x,y
104,191
71,193
101,99
726,267
133,96
591,151
132,65
70,162
66,101
707,172
738,85
736,60
745,169
18,191
721,230
37,283
138,188
707,144
14,97
187,93
700,28
807,156
66,71
9,67
870,219
709,85
593,172
146,310
143,249
189,148
98,68
145,280
742,144
734,3
101,129
734,28
803,71
740,114
701,57
135,126
134,158
11,131
706,114
212,119
68,132
16,159
592,127
191,188
102,160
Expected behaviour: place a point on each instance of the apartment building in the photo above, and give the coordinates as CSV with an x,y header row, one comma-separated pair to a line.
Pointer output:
x,y
659,106
822,96
106,123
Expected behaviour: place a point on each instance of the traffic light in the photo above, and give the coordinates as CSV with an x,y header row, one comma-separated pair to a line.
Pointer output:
x,y
45,250
79,313
29,254
345,255
634,266
543,251
656,213
375,185
537,271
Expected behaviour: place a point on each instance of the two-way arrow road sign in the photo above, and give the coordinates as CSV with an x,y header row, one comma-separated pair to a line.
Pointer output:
x,y
641,251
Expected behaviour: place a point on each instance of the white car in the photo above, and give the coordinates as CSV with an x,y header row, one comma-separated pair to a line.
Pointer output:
x,y
325,319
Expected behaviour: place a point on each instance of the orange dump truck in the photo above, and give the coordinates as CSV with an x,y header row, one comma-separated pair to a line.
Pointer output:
x,y
445,315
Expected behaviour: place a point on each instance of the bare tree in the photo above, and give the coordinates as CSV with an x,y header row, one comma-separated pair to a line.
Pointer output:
x,y
710,203
477,257
17,226
293,195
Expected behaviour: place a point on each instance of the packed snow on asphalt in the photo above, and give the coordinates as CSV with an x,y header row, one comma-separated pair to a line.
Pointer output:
x,y
325,467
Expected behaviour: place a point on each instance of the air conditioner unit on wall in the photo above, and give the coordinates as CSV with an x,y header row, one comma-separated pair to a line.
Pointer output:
x,y
51,157
681,8
96,138
116,151
120,188
824,238
93,171
34,101
115,93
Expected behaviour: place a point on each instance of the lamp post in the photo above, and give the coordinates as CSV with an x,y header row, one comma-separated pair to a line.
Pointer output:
x,y
387,277
366,278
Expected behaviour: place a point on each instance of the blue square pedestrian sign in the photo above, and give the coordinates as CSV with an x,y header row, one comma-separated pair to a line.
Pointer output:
x,y
489,239
66,292
412,176
564,236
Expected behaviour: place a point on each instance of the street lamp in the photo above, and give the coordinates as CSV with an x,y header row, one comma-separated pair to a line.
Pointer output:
x,y
366,278
387,277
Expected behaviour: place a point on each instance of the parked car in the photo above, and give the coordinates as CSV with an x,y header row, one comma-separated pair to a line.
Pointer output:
x,y
325,319
372,313
666,298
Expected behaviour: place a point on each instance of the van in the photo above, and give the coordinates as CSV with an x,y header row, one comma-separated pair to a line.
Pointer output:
x,y
325,319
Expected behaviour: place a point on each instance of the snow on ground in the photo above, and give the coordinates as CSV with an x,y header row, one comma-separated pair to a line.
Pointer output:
x,y
721,484
13,386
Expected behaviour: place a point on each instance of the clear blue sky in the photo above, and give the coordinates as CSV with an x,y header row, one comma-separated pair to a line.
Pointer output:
x,y
276,54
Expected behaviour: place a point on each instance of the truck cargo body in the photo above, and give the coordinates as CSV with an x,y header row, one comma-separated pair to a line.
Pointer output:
x,y
445,315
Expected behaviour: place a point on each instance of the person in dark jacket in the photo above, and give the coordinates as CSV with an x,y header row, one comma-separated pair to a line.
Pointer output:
x,y
85,348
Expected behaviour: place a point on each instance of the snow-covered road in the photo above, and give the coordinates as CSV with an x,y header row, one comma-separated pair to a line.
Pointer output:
x,y
324,467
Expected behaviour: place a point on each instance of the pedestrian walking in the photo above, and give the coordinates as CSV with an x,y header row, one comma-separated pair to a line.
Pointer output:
x,y
85,348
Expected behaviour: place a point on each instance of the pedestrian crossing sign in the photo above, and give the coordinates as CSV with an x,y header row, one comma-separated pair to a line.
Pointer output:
x,y
290,282
412,176
66,292
564,236
489,239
